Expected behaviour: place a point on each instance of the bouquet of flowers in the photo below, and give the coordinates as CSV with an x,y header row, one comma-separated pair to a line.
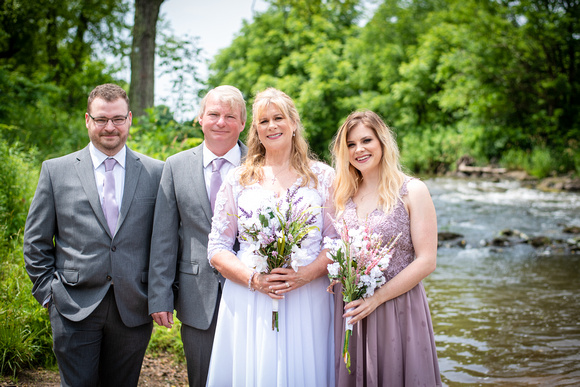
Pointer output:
x,y
277,233
358,264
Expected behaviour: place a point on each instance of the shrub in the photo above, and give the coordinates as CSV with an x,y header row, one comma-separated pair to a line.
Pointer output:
x,y
25,338
17,183
167,340
25,335
158,135
538,162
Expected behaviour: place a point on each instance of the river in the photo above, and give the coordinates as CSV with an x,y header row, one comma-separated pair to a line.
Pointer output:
x,y
505,316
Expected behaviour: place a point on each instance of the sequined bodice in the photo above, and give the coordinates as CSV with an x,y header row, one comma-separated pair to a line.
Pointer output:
x,y
389,226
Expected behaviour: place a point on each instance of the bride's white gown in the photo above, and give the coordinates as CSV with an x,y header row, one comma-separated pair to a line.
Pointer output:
x,y
246,352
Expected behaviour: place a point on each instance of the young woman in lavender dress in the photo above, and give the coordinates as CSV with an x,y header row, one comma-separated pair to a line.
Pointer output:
x,y
392,342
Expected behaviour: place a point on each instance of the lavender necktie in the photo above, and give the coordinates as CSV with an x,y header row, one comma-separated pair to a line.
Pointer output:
x,y
110,207
216,180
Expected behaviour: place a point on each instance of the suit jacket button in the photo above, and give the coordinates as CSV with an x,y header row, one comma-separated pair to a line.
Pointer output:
x,y
109,278
114,248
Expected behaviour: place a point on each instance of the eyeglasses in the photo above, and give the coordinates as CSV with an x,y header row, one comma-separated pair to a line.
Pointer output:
x,y
101,121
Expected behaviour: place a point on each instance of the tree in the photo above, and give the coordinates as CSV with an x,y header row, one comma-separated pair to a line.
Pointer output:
x,y
51,55
296,46
142,91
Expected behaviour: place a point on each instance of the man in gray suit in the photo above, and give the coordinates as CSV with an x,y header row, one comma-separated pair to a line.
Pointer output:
x,y
86,248
182,223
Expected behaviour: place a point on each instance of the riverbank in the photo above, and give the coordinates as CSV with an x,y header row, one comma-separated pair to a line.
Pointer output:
x,y
159,370
466,170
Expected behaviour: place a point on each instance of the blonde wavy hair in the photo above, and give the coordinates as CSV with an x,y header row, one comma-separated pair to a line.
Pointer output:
x,y
348,178
300,156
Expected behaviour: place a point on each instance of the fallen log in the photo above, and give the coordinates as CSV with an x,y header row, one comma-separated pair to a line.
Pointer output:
x,y
469,169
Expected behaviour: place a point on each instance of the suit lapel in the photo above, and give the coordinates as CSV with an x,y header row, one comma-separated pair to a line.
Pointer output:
x,y
197,168
244,150
132,171
86,172
196,164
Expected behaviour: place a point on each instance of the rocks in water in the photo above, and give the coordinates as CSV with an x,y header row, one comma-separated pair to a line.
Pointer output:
x,y
543,244
514,233
510,237
571,230
446,236
563,183
540,241
500,242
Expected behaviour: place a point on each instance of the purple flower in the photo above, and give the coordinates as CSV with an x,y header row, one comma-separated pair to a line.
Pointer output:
x,y
246,213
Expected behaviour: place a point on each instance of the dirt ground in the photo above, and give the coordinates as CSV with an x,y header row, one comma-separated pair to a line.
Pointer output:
x,y
161,371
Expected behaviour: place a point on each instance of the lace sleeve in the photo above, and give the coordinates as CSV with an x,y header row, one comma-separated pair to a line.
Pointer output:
x,y
224,226
326,189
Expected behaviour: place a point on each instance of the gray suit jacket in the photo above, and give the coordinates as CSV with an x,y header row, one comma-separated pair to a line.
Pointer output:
x,y
179,243
69,251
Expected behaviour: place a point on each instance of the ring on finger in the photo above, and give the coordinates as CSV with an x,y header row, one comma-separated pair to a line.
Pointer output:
x,y
287,284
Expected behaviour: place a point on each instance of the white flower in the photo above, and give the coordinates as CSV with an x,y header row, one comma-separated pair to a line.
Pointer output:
x,y
333,269
253,260
376,272
299,257
384,262
365,280
370,291
260,263
251,223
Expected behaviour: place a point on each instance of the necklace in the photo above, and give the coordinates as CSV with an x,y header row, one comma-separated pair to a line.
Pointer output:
x,y
361,197
275,177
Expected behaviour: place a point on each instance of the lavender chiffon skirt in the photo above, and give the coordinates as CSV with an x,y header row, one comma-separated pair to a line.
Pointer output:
x,y
393,346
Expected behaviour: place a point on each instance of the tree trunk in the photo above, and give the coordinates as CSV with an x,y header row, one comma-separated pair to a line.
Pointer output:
x,y
142,91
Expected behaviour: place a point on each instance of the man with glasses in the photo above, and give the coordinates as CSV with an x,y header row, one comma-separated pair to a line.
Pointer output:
x,y
86,248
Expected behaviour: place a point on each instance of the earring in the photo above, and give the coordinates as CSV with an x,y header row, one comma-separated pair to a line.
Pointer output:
x,y
294,134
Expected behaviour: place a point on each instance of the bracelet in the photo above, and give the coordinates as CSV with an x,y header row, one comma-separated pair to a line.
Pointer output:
x,y
250,281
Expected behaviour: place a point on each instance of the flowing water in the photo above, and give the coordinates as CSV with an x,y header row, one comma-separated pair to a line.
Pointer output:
x,y
505,316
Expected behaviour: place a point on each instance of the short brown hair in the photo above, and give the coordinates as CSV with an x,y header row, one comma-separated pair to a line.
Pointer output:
x,y
109,92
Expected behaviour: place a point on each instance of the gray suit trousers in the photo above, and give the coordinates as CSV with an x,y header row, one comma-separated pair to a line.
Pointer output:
x,y
197,345
100,350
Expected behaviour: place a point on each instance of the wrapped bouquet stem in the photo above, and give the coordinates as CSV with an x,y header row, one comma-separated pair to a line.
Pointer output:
x,y
359,260
275,307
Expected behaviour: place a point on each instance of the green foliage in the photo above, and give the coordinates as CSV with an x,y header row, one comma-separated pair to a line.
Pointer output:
x,y
296,46
56,37
158,135
25,332
487,77
539,162
167,340
430,150
25,335
17,184
37,114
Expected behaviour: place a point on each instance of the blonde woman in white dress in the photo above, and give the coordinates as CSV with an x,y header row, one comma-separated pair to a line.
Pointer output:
x,y
246,351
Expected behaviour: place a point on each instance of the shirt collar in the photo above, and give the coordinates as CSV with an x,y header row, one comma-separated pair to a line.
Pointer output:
x,y
98,157
233,156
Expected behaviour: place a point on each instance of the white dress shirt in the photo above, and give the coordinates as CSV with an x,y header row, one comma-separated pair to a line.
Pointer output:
x,y
98,159
234,157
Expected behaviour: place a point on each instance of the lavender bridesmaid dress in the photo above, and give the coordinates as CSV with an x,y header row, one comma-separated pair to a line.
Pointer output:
x,y
393,346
